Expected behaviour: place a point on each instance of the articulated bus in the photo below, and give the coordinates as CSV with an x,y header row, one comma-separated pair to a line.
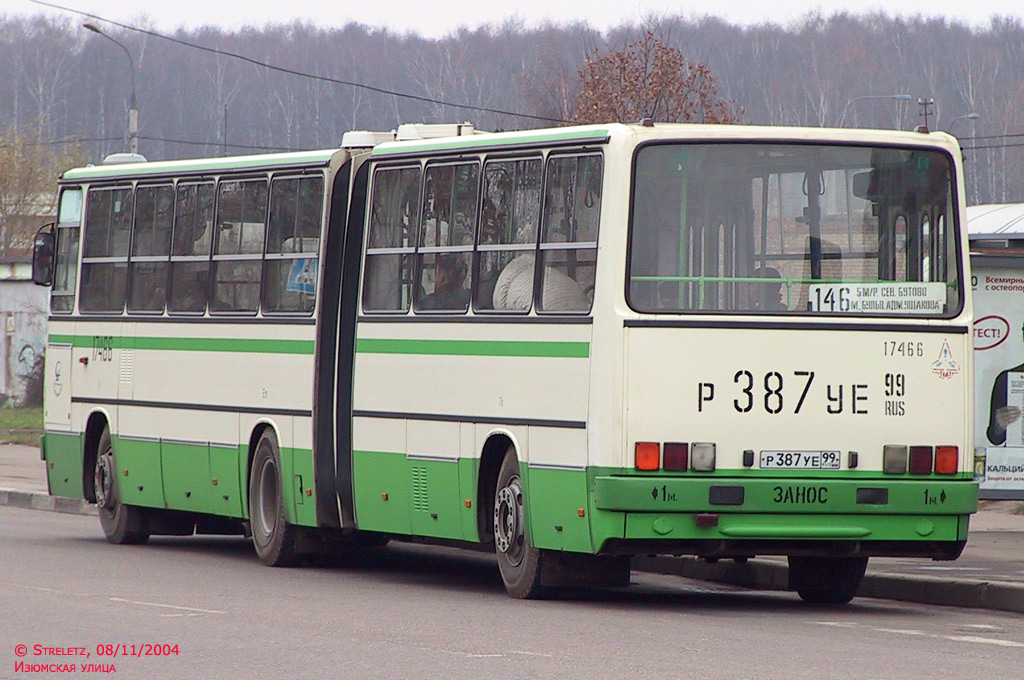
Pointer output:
x,y
568,346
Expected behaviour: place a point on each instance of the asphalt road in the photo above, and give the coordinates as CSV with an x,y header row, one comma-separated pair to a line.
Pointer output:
x,y
424,612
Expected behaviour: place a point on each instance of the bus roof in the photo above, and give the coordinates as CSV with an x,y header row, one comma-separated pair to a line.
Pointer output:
x,y
995,219
691,132
200,165
593,134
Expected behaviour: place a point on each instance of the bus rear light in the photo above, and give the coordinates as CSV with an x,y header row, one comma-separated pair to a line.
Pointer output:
x,y
677,456
702,455
947,460
648,456
894,459
920,460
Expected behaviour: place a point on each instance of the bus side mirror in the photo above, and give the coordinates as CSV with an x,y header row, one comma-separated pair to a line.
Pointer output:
x,y
43,248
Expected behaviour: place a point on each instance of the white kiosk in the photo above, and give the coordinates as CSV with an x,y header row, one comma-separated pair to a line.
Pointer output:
x,y
997,279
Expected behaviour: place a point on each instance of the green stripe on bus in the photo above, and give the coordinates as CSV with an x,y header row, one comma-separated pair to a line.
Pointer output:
x,y
478,348
254,345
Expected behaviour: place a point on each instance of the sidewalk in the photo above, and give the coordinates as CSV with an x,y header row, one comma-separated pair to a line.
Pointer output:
x,y
989,574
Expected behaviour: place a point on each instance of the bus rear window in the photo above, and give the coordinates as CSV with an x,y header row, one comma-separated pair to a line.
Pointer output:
x,y
788,228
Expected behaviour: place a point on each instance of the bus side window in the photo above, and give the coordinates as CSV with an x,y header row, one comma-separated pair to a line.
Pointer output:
x,y
69,220
293,241
445,248
507,236
391,233
238,250
105,250
190,248
568,243
151,247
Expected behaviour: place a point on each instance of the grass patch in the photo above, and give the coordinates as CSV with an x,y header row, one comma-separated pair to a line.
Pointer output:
x,y
21,425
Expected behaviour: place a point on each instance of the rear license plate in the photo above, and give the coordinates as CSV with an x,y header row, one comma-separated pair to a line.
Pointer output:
x,y
799,460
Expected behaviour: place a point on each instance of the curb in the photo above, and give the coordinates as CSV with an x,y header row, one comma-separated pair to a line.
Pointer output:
x,y
774,575
40,501
761,574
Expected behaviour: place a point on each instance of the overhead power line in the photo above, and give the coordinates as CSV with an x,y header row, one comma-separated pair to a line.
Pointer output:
x,y
255,147
991,146
58,142
301,74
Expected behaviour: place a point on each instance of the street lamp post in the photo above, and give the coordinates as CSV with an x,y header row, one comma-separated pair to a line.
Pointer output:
x,y
894,97
969,116
133,111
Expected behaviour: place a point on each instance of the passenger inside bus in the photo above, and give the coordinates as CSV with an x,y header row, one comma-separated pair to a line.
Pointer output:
x,y
561,293
766,296
450,291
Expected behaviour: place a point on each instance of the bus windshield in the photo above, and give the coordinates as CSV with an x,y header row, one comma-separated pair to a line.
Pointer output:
x,y
761,228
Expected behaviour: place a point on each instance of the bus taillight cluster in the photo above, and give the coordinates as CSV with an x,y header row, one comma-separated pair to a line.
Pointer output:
x,y
898,459
678,456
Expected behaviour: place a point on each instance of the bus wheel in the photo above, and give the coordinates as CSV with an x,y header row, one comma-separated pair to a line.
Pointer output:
x,y
826,580
273,537
519,562
122,524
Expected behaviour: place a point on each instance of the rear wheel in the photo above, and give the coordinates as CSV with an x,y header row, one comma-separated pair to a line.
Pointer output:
x,y
122,524
272,536
827,580
519,562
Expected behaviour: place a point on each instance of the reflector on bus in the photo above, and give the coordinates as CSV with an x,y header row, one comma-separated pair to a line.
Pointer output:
x,y
947,459
648,456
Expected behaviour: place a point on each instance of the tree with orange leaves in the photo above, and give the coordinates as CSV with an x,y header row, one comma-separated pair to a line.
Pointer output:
x,y
649,79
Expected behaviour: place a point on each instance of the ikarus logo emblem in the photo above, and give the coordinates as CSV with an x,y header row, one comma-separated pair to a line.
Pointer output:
x,y
945,366
58,386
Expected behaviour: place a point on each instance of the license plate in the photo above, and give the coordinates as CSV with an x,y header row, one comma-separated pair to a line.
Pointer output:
x,y
800,460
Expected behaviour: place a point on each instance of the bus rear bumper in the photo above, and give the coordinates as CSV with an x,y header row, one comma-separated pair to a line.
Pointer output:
x,y
736,517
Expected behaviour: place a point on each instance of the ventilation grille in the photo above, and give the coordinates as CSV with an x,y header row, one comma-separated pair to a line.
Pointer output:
x,y
419,489
127,366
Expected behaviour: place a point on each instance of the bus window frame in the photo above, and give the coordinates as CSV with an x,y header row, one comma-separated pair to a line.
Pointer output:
x,y
145,259
366,251
269,257
216,256
553,246
118,185
421,252
188,259
520,248
953,200
72,263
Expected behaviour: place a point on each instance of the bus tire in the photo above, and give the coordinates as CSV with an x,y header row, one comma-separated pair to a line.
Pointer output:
x,y
122,524
272,536
826,580
519,562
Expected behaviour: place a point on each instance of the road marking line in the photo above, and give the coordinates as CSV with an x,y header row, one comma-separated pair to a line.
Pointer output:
x,y
984,641
166,606
918,633
902,631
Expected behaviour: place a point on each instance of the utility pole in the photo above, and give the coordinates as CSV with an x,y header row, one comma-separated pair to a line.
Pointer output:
x,y
133,111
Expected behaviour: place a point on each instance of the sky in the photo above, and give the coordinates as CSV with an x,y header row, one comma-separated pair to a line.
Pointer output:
x,y
438,18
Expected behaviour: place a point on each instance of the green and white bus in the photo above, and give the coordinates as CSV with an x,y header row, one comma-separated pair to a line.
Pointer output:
x,y
568,346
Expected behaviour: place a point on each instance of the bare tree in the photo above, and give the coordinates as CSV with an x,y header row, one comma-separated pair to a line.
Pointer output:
x,y
648,79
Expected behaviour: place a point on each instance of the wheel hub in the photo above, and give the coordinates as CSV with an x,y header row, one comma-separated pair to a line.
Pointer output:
x,y
508,521
105,481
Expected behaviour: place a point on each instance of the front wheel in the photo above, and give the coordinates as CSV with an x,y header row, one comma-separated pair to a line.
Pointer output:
x,y
519,562
122,524
827,580
272,536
